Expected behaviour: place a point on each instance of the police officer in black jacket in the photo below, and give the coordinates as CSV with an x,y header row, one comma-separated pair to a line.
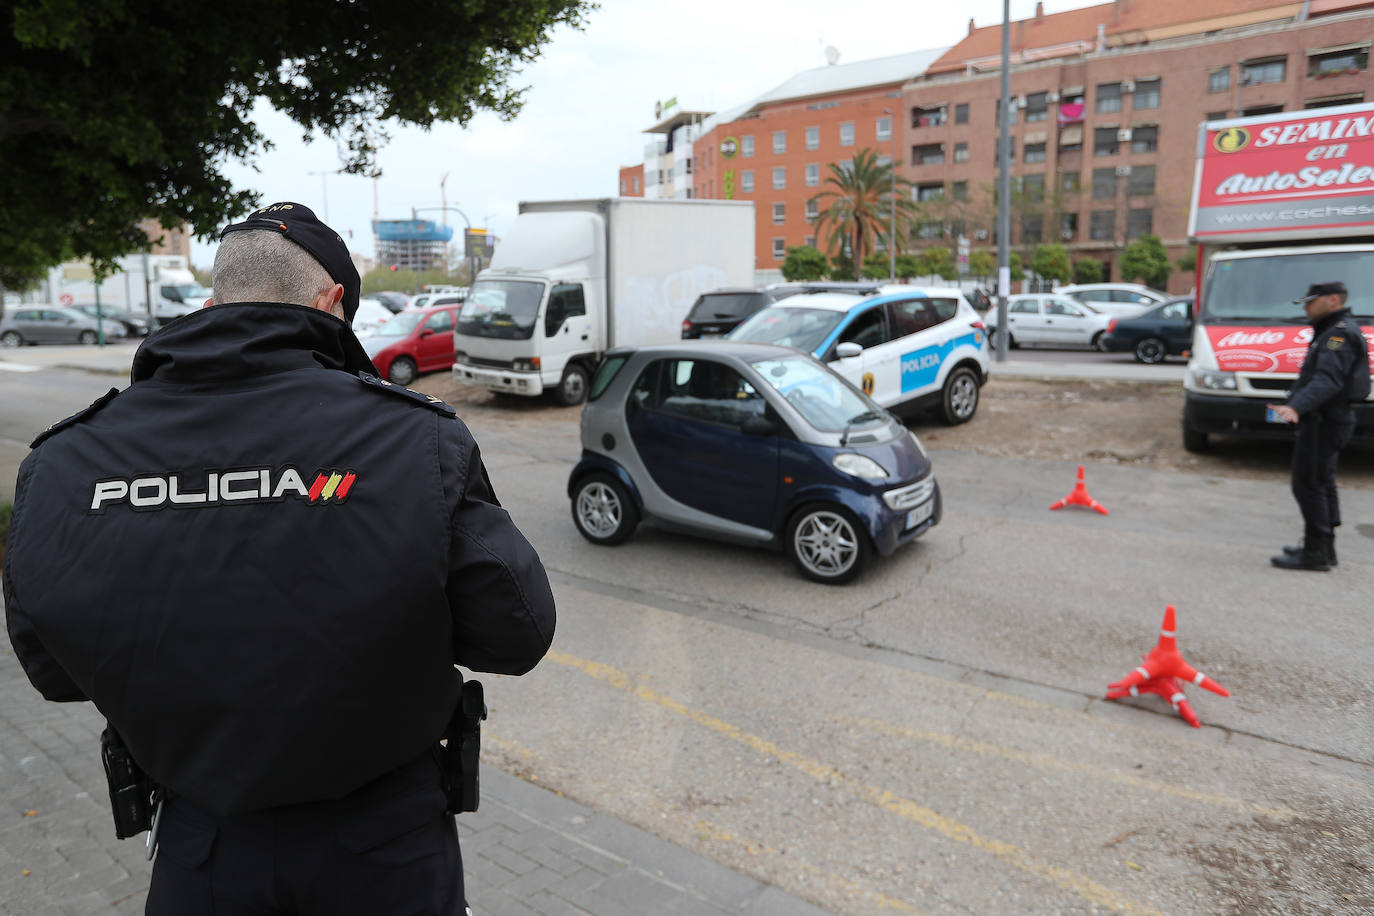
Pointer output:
x,y
262,563
1334,376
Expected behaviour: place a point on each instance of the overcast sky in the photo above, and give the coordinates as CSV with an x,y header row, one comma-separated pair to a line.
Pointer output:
x,y
591,96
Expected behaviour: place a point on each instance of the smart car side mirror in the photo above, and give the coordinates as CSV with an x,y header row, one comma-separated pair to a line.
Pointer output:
x,y
848,349
758,426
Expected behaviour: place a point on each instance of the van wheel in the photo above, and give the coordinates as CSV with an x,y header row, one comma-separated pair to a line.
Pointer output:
x,y
402,371
959,400
572,388
827,544
603,510
1194,440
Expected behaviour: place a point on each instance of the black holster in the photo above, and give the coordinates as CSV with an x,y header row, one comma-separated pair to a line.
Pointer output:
x,y
460,750
131,791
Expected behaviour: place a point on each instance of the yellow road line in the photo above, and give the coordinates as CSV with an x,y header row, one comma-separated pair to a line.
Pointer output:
x,y
1064,878
1048,762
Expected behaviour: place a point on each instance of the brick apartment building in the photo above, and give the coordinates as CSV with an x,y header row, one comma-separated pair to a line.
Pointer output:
x,y
1106,105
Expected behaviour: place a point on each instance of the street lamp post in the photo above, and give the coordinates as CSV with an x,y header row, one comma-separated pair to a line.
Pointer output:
x,y
1004,190
324,189
892,202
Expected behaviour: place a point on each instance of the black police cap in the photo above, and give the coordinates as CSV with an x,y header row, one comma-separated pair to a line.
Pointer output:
x,y
1322,289
299,224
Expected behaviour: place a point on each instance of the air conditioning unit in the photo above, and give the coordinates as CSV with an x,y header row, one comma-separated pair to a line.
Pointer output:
x,y
1051,97
1123,170
1066,234
1019,101
1128,85
980,234
1123,135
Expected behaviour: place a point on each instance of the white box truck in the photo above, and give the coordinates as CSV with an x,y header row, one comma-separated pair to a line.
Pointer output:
x,y
161,286
1280,201
571,279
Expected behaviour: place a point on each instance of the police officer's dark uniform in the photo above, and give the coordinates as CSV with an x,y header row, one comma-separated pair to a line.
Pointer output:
x,y
262,562
1334,376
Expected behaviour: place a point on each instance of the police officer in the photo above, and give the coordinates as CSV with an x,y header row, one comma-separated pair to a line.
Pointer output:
x,y
1334,376
261,562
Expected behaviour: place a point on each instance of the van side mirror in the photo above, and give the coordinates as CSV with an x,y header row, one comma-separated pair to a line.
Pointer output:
x,y
848,350
758,426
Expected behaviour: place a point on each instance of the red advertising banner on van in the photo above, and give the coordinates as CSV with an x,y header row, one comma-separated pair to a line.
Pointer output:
x,y
1293,175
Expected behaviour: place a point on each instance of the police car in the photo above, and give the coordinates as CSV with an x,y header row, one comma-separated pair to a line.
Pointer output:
x,y
908,350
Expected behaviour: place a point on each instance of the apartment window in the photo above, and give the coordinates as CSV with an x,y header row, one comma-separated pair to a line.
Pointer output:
x,y
1068,227
810,241
813,138
997,150
1071,138
813,174
925,192
928,154
1351,98
1343,60
1032,228
1103,226
1146,94
779,249
1104,141
1069,182
1011,119
746,180
1104,184
1144,139
779,142
746,146
928,117
779,214
636,184
1108,97
1261,110
1263,71
961,113
961,152
1033,187
622,187
1219,80
847,133
812,213
1142,180
1037,106
884,129
779,177
959,190
1139,222
1215,116
1033,152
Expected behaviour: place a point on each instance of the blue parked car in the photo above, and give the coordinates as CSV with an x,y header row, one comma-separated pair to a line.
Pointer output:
x,y
749,443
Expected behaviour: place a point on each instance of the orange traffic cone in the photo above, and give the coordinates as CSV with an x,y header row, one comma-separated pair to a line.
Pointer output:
x,y
1162,666
1080,497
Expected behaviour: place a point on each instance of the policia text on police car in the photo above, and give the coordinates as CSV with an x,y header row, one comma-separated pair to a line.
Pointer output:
x,y
284,557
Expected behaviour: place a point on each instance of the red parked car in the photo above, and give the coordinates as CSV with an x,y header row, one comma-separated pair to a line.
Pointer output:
x,y
412,342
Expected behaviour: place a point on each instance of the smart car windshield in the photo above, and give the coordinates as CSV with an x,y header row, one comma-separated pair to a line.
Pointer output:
x,y
789,327
821,397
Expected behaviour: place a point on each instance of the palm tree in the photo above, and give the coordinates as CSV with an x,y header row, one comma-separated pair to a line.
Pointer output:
x,y
857,205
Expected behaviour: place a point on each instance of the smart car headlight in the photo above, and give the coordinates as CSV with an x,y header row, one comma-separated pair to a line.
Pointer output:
x,y
858,466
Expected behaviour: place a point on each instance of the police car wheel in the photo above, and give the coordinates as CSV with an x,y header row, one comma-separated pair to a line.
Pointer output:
x,y
603,510
402,371
1151,350
11,339
827,544
959,400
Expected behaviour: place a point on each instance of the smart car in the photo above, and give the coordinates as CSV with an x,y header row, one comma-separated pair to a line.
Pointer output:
x,y
909,350
753,444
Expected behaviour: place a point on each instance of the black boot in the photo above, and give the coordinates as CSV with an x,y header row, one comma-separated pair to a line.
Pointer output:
x,y
1330,552
1313,555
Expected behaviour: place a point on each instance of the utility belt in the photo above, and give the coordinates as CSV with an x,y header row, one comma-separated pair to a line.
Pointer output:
x,y
135,800
460,749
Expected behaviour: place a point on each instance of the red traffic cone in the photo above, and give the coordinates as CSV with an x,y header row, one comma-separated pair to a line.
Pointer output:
x,y
1162,671
1080,497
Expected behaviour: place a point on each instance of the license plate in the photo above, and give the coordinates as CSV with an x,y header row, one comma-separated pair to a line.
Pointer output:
x,y
920,513
1272,416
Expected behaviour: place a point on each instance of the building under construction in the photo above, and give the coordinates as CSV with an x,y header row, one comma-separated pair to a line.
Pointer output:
x,y
411,244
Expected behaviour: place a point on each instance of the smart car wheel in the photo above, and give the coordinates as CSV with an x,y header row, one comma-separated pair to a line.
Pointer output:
x,y
603,510
959,400
402,371
11,339
827,544
87,338
1151,350
572,389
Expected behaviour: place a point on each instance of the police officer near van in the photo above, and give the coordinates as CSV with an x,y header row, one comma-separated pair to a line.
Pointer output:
x,y
262,563
1334,376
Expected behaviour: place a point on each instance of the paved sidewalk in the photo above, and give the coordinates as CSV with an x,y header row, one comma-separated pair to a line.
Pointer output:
x,y
113,358
1170,373
526,851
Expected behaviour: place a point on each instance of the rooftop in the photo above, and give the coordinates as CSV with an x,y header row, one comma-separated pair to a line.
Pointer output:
x,y
861,74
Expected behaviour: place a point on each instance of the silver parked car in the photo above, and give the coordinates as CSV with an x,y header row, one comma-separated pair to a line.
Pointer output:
x,y
34,324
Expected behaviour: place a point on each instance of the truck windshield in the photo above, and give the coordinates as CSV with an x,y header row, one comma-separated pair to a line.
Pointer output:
x,y
189,292
803,329
1262,289
501,308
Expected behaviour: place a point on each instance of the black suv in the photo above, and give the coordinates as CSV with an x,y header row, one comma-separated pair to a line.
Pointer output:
x,y
718,312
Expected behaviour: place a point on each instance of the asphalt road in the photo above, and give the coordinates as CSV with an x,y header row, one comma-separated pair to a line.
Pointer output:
x,y
32,401
932,738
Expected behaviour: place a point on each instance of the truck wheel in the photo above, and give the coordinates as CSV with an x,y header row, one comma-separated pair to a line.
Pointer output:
x,y
1151,350
1194,440
11,339
960,398
402,371
603,510
827,544
572,388
86,338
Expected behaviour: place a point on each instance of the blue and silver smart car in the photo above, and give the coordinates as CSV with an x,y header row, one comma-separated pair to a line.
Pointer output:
x,y
750,443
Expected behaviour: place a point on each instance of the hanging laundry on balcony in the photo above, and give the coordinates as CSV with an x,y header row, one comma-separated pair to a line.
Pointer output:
x,y
1070,113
